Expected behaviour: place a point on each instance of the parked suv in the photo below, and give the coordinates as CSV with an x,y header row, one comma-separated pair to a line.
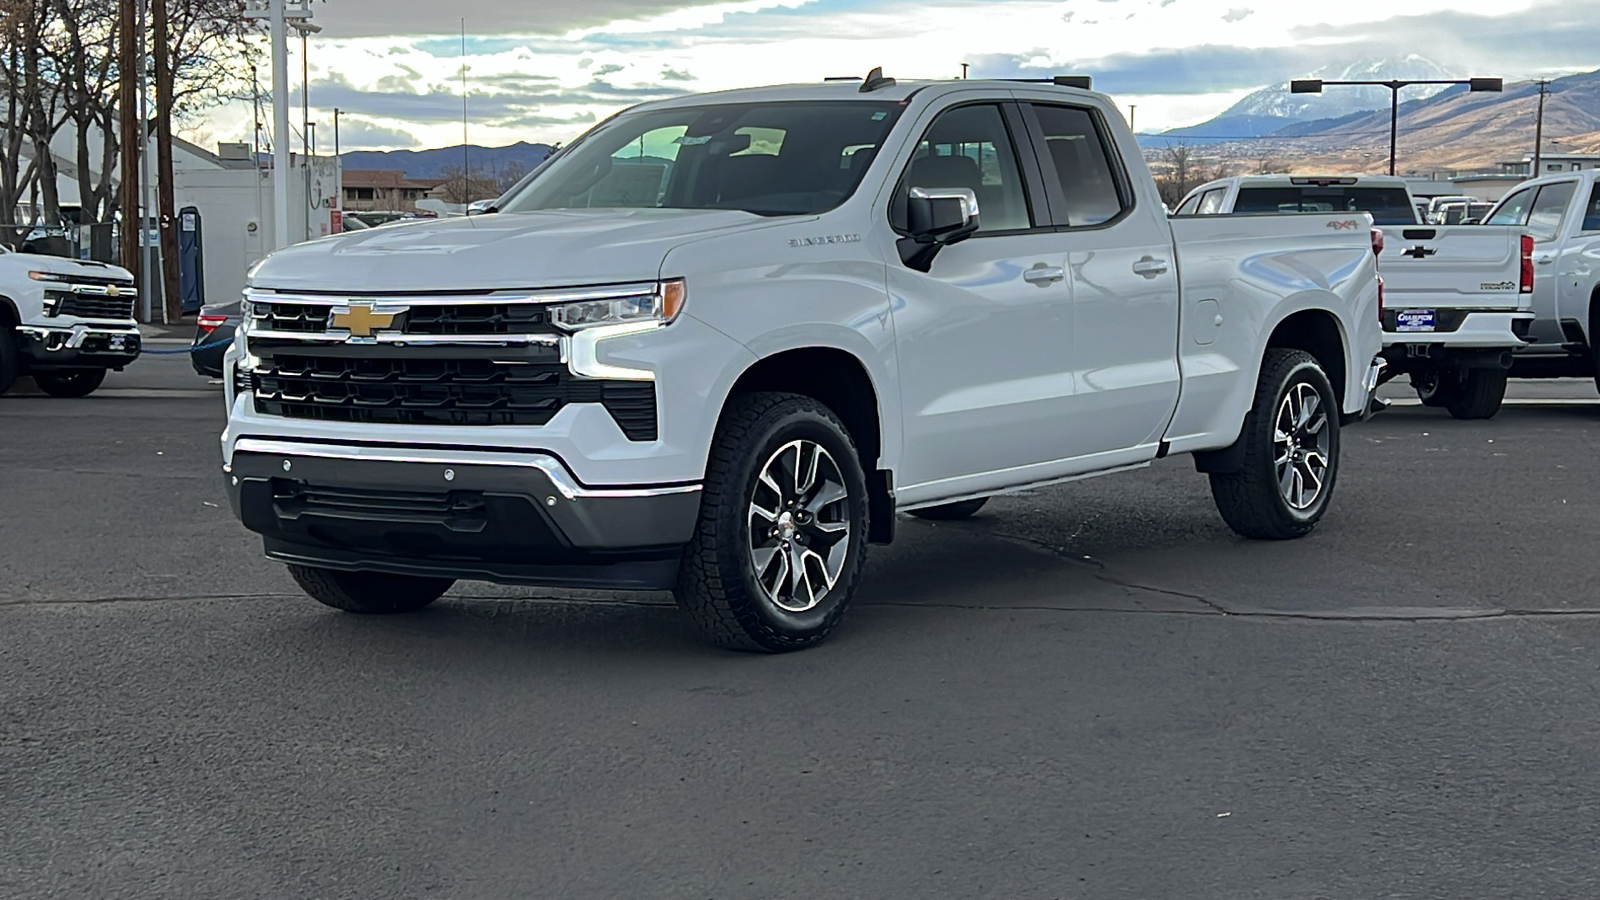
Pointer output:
x,y
719,342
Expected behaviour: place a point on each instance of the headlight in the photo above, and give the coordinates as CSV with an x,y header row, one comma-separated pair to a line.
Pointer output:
x,y
663,306
46,276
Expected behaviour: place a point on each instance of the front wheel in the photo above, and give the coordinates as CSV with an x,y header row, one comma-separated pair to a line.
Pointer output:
x,y
1291,452
77,383
369,593
1478,395
782,532
10,357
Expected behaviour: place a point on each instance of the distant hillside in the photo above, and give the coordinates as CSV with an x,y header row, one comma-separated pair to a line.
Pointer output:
x,y
1451,130
435,163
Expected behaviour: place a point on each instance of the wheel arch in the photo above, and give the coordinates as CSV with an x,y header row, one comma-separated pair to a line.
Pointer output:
x,y
841,381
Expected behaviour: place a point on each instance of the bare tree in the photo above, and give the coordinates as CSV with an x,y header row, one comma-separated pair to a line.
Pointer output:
x,y
461,189
1178,170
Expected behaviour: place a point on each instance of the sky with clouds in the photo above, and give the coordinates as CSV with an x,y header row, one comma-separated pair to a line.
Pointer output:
x,y
545,70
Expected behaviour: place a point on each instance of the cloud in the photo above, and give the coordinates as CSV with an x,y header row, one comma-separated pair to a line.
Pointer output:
x,y
607,69
381,18
360,134
676,75
1548,37
1205,69
1237,13
484,107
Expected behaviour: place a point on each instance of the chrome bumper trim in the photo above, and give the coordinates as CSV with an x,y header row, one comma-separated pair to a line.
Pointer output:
x,y
549,465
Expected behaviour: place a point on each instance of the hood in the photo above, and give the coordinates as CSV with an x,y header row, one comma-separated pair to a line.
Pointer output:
x,y
26,262
495,252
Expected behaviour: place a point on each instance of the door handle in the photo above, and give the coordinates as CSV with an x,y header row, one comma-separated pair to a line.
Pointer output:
x,y
1043,275
1150,267
1544,260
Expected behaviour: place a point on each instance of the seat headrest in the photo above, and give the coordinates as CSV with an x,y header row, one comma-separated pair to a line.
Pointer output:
x,y
946,172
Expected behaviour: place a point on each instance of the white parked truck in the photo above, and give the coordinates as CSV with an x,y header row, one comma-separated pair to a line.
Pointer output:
x,y
1562,213
1458,299
721,341
65,322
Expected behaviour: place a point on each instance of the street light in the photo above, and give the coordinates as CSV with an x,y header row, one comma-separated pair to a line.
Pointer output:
x,y
1475,85
306,29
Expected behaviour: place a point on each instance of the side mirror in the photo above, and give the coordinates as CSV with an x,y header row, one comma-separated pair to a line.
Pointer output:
x,y
481,207
936,218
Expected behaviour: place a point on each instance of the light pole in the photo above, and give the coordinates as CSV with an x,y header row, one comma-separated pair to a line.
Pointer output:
x,y
279,13
1315,86
306,29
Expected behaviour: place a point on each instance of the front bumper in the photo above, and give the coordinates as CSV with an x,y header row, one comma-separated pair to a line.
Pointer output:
x,y
80,346
502,516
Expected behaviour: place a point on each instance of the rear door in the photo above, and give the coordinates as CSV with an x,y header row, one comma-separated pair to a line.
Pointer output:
x,y
1541,209
1124,280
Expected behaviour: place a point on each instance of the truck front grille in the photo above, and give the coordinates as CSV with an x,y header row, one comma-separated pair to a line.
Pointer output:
x,y
296,317
88,306
475,319
423,391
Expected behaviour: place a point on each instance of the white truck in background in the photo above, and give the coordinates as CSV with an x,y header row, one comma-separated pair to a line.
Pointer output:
x,y
65,322
1562,215
720,341
1458,299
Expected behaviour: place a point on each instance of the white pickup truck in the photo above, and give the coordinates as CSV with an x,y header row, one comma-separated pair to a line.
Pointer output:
x,y
719,342
1458,299
65,322
1562,213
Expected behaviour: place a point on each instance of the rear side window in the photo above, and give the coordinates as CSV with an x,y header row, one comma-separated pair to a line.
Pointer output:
x,y
1188,207
1591,213
1544,220
1513,209
1388,206
1077,152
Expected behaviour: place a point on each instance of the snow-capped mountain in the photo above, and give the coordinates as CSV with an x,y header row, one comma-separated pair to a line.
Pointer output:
x,y
1271,108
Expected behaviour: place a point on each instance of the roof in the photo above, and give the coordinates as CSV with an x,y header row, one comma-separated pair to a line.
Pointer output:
x,y
386,178
850,89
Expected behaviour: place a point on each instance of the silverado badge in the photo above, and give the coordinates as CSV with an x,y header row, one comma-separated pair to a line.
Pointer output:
x,y
360,319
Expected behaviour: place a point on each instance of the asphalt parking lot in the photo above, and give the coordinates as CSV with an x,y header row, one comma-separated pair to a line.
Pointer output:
x,y
1090,691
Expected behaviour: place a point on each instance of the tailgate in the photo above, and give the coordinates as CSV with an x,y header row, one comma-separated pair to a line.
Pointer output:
x,y
1472,266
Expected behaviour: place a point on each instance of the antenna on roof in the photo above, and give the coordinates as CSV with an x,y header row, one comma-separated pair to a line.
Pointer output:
x,y
875,80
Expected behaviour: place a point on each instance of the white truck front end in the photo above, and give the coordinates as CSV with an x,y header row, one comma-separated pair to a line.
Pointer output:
x,y
64,321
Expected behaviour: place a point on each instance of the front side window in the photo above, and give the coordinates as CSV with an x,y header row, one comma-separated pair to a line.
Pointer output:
x,y
1513,210
1544,220
764,158
970,147
1388,206
1077,150
1211,202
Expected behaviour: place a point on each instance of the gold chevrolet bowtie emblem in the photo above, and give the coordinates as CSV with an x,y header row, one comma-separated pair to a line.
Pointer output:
x,y
113,291
361,320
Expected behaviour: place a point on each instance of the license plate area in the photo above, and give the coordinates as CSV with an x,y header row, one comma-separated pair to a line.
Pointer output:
x,y
1416,320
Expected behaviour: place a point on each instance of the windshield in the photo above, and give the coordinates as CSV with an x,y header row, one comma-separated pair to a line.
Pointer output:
x,y
1388,206
786,158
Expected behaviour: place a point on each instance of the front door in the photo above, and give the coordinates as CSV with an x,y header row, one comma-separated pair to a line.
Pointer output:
x,y
985,337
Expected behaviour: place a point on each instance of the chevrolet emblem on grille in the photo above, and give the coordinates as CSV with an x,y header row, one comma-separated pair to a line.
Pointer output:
x,y
361,319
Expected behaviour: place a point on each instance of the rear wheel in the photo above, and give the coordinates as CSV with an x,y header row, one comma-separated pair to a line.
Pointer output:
x,y
949,512
1430,387
1478,395
74,383
1291,455
783,527
370,593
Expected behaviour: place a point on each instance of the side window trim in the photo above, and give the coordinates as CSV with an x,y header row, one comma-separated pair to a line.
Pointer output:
x,y
1052,181
1027,169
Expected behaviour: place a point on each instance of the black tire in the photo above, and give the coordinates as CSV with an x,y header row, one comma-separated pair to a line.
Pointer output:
x,y
10,356
369,593
1251,500
73,383
1431,386
718,585
1479,394
950,512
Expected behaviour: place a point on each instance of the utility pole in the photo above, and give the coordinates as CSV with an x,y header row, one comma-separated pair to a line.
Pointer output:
x,y
128,130
466,154
149,276
964,71
171,292
278,14
1538,131
1131,108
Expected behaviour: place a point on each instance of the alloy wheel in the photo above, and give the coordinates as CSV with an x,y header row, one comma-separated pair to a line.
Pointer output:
x,y
799,526
1301,444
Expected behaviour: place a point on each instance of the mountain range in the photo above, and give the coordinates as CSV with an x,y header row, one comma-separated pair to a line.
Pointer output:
x,y
445,161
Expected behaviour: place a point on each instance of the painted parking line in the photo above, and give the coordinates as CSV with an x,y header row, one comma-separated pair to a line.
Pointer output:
x,y
1515,401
